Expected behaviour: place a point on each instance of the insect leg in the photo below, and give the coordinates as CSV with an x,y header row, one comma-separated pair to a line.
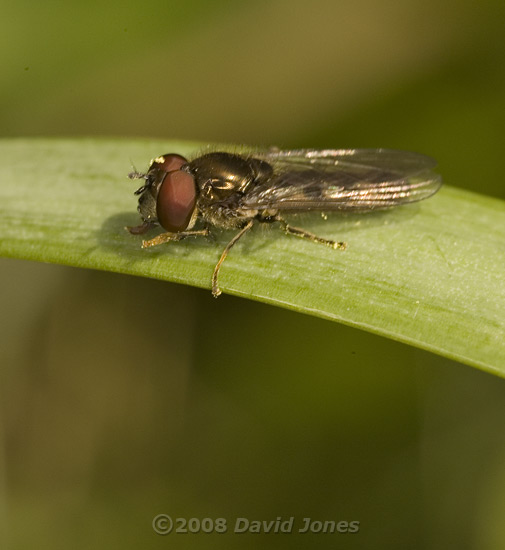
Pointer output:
x,y
167,237
297,232
215,287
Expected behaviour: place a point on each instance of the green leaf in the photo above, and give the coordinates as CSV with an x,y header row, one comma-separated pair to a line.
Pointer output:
x,y
429,274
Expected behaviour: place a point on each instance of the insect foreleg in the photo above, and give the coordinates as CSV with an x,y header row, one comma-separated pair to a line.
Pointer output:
x,y
167,237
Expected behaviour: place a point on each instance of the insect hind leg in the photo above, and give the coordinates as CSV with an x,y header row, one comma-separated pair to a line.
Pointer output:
x,y
298,232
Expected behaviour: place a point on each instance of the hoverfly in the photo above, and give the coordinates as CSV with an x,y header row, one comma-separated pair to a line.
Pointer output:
x,y
233,191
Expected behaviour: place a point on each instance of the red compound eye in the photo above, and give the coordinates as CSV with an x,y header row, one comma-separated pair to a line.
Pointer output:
x,y
168,163
176,201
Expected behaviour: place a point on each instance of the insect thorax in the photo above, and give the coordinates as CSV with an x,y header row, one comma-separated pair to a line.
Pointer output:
x,y
226,216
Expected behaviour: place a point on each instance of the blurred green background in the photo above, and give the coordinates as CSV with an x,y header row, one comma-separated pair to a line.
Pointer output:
x,y
125,398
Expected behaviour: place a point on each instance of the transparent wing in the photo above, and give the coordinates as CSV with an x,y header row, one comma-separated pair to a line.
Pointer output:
x,y
344,179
